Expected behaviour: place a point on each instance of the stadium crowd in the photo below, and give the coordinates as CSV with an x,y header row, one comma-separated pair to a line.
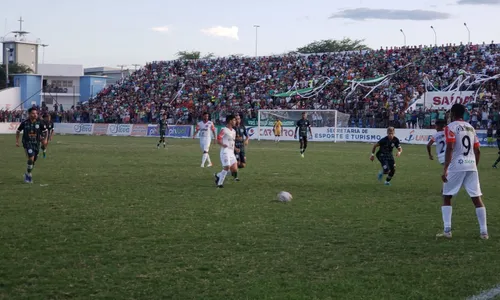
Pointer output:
x,y
185,88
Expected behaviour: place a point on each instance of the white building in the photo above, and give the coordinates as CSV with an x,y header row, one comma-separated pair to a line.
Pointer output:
x,y
60,84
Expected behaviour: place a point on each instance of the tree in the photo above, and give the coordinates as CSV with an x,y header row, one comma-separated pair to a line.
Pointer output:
x,y
325,46
209,56
13,69
189,55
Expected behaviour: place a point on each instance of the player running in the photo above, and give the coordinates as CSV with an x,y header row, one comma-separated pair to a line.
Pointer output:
x,y
34,133
163,127
226,140
498,144
384,155
303,125
439,139
204,127
49,125
277,130
241,141
460,169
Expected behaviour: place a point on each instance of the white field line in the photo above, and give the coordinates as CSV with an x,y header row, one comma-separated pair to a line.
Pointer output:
x,y
487,295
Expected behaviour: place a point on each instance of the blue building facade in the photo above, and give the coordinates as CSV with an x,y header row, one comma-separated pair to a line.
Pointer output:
x,y
90,86
31,88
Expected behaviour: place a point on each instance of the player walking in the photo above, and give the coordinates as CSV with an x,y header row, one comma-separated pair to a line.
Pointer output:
x,y
303,126
163,126
226,139
49,125
498,144
460,169
204,128
384,155
277,130
440,141
34,133
241,141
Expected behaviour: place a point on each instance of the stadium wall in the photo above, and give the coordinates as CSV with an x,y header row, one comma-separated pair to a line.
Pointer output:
x,y
10,98
320,134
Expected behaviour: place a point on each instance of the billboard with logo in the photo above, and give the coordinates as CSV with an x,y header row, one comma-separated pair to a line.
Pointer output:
x,y
100,129
175,131
320,134
74,128
139,130
119,129
9,127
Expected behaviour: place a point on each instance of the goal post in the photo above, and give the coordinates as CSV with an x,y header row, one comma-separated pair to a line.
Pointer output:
x,y
329,118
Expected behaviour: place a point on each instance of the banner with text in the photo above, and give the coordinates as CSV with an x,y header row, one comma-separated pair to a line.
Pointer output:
x,y
445,100
9,127
319,134
327,134
175,131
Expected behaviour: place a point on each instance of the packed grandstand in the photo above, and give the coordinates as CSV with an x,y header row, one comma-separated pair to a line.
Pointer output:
x,y
183,89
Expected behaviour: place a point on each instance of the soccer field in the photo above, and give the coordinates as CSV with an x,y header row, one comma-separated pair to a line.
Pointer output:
x,y
116,218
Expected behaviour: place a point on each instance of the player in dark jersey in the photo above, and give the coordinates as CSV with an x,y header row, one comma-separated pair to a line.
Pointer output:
x,y
239,145
498,144
49,125
384,155
163,127
34,133
489,135
303,126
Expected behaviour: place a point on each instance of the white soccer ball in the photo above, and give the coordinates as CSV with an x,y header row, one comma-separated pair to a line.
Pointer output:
x,y
284,196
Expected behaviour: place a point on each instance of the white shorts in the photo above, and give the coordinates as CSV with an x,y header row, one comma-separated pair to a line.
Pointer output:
x,y
205,145
227,158
468,179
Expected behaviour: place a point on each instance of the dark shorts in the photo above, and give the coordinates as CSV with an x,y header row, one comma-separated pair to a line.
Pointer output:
x,y
162,133
240,156
31,152
303,138
387,162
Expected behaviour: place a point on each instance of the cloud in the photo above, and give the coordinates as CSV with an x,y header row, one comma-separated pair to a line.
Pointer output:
x,y
477,2
227,32
303,18
160,29
361,14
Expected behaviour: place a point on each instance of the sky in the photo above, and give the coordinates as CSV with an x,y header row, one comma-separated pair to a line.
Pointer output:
x,y
126,32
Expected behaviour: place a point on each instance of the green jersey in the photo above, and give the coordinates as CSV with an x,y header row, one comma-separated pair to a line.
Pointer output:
x,y
33,133
162,124
303,126
241,134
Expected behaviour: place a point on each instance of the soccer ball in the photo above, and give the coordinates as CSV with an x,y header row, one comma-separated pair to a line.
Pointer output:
x,y
284,196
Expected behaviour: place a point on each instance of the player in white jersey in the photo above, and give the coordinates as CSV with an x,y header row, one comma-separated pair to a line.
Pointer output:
x,y
204,128
440,141
226,140
460,169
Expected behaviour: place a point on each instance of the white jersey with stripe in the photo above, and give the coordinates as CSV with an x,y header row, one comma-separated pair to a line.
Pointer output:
x,y
439,139
204,130
464,139
227,136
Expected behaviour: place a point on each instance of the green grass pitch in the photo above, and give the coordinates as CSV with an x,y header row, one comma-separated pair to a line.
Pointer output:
x,y
116,218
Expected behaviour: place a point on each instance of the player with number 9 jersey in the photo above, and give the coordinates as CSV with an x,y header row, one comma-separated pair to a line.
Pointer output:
x,y
465,140
460,169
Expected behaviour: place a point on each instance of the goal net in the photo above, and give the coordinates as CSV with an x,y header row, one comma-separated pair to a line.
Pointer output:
x,y
324,122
